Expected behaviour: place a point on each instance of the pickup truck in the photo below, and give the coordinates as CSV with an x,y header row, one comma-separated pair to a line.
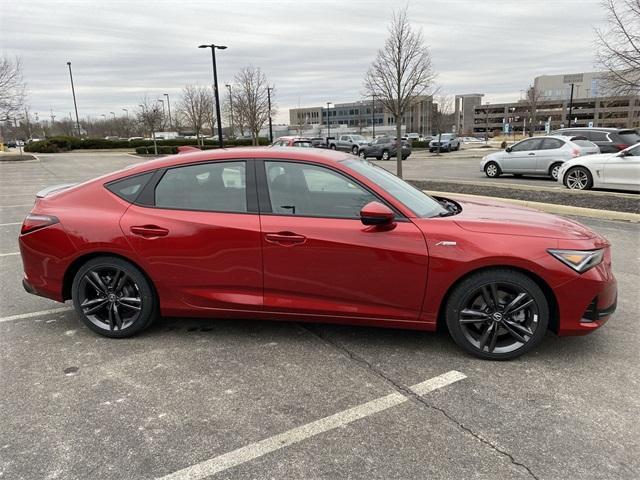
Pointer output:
x,y
348,143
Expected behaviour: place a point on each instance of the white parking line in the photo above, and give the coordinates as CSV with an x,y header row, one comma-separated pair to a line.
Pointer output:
x,y
9,254
21,205
8,224
34,314
298,434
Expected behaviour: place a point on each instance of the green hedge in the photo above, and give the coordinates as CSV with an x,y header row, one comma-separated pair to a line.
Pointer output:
x,y
64,144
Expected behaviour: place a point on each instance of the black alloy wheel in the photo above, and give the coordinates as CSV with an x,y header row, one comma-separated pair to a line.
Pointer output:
x,y
497,314
113,297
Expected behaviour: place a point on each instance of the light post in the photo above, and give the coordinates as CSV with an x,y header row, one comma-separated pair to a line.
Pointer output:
x,y
153,133
570,104
373,117
75,105
215,87
126,111
269,106
168,109
162,102
114,114
486,124
328,122
228,85
127,126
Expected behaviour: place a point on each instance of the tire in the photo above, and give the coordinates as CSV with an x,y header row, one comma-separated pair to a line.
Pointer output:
x,y
578,178
362,154
354,150
332,147
478,318
385,155
492,170
553,170
105,282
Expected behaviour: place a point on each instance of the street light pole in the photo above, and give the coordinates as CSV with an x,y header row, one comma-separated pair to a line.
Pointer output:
x,y
215,87
153,133
328,122
75,105
163,115
169,109
127,112
373,117
570,105
269,106
233,132
486,123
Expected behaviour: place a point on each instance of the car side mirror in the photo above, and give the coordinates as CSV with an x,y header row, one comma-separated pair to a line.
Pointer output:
x,y
508,149
375,213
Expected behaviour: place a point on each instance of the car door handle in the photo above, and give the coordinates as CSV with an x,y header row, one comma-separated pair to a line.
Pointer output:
x,y
149,231
285,238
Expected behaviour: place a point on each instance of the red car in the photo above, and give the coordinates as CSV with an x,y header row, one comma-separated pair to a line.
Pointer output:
x,y
311,235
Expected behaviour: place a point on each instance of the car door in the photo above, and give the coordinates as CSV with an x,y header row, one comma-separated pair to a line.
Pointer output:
x,y
318,257
374,149
522,157
623,172
198,230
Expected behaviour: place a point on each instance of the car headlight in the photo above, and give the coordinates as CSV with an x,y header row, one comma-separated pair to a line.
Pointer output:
x,y
579,260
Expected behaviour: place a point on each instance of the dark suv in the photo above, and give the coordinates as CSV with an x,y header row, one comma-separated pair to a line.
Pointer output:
x,y
384,148
610,140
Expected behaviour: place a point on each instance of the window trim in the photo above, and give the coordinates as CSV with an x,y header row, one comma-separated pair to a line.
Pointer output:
x,y
264,200
129,177
148,193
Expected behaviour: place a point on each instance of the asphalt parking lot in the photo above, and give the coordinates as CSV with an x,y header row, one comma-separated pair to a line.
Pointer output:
x,y
243,399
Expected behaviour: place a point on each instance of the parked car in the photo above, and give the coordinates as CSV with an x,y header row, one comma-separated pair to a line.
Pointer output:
x,y
318,142
292,142
384,148
311,235
348,143
537,156
617,171
414,137
609,140
447,142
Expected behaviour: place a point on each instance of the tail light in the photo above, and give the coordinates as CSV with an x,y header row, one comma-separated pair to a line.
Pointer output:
x,y
621,146
575,152
35,221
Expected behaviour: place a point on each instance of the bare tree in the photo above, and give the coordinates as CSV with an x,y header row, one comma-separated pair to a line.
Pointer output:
x,y
210,119
532,100
195,106
12,87
250,104
443,116
150,117
402,70
618,47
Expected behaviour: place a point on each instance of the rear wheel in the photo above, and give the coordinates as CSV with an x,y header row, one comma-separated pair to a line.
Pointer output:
x,y
362,154
497,314
385,155
113,297
578,178
332,147
492,170
554,169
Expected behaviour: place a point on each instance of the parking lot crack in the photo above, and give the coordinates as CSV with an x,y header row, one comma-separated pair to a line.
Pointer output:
x,y
332,343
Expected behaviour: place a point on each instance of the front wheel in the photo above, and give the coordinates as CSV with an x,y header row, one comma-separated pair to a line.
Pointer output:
x,y
332,147
578,178
492,170
497,314
354,150
385,155
113,297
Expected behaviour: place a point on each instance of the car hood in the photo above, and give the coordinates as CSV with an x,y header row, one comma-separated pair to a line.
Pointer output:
x,y
494,217
588,159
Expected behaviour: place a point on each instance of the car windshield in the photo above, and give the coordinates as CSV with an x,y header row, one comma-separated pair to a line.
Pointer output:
x,y
417,201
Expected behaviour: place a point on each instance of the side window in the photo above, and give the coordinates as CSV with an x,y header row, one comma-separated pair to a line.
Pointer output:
x,y
551,144
313,191
597,136
530,144
129,188
634,152
214,187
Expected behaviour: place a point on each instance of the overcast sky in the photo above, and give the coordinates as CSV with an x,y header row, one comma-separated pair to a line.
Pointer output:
x,y
313,51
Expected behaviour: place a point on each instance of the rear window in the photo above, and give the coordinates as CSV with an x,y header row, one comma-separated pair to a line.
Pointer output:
x,y
630,137
597,136
129,188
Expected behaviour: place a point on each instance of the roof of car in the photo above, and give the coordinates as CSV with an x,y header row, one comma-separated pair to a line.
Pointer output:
x,y
245,153
599,129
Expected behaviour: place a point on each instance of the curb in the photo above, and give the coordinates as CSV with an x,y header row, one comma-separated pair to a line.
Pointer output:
x,y
552,207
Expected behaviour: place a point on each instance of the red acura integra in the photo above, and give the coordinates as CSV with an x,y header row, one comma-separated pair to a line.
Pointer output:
x,y
311,235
